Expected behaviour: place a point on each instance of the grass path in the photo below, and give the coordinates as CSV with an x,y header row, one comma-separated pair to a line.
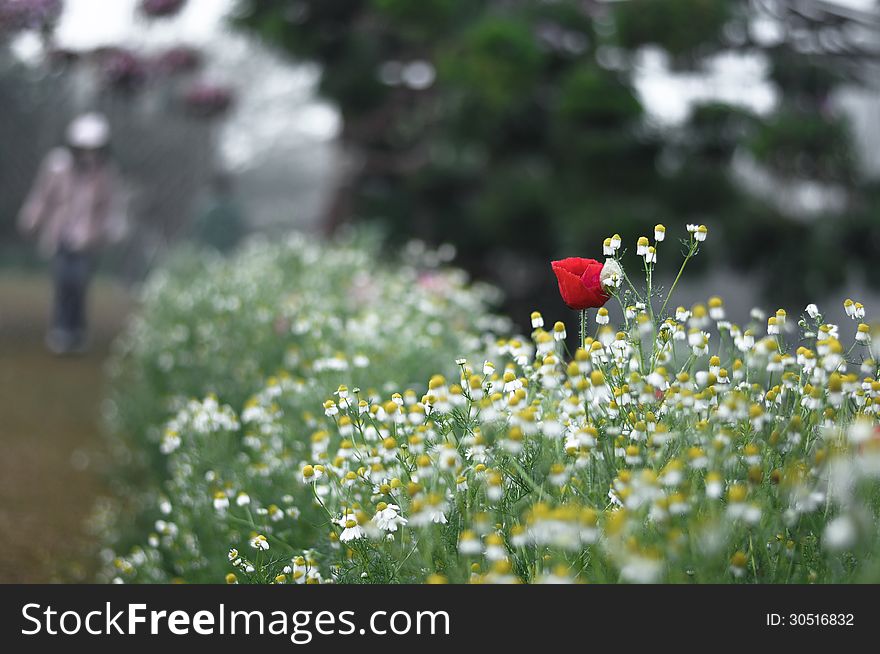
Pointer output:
x,y
50,444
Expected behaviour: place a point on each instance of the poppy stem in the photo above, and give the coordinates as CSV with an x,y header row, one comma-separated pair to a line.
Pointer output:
x,y
583,329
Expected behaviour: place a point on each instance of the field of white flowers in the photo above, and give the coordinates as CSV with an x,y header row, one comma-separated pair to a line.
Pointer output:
x,y
216,339
304,414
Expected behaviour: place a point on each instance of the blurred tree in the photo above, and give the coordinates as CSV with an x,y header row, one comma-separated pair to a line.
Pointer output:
x,y
807,140
512,128
482,122
684,28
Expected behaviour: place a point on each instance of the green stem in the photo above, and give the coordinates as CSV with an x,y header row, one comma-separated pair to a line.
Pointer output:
x,y
583,329
528,479
632,287
690,254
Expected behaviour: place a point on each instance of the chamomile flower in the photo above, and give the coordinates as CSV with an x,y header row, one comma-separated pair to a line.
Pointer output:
x,y
716,308
738,563
611,275
559,333
495,550
311,474
641,569
607,249
781,317
840,534
351,529
170,441
221,502
430,511
388,517
469,544
659,233
511,382
259,542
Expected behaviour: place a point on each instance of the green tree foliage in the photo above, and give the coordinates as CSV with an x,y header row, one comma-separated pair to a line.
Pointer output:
x,y
681,27
513,128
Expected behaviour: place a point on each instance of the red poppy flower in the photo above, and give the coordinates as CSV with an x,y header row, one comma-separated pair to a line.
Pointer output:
x,y
579,283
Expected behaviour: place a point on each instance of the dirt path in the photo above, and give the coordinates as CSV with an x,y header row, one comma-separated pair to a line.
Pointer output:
x,y
49,434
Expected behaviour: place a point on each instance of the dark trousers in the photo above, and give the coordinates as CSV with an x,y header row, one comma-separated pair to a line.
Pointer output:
x,y
72,272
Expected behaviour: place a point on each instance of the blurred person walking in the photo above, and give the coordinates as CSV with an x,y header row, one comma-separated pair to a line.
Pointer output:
x,y
75,205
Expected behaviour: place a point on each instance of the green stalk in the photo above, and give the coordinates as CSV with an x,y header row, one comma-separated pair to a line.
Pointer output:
x,y
690,254
583,329
631,285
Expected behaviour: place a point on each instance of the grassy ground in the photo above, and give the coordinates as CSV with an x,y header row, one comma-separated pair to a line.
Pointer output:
x,y
49,433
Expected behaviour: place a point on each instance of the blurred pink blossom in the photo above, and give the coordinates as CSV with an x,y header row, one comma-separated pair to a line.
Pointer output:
x,y
161,8
176,60
122,69
18,15
208,100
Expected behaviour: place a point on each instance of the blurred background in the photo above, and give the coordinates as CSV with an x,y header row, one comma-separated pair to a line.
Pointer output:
x,y
516,130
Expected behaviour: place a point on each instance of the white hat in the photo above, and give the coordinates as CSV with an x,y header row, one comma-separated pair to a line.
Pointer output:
x,y
89,132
